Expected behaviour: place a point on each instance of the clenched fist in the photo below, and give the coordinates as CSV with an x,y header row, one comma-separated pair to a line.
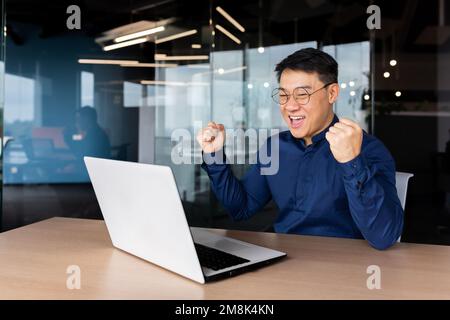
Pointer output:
x,y
345,138
212,137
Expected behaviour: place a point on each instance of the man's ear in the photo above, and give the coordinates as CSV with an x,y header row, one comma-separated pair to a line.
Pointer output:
x,y
333,93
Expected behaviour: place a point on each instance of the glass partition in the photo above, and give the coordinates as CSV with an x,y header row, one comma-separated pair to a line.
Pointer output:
x,y
137,86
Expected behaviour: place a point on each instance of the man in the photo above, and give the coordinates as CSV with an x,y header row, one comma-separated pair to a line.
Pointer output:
x,y
92,141
333,178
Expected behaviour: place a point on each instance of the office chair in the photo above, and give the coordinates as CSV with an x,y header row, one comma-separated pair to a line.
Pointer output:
x,y
401,183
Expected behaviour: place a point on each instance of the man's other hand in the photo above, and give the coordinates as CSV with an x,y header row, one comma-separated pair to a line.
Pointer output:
x,y
212,137
345,138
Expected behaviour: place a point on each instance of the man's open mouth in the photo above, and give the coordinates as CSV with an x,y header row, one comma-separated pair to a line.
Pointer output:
x,y
296,121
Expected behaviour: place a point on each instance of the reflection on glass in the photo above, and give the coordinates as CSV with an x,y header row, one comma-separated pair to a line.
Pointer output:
x,y
354,72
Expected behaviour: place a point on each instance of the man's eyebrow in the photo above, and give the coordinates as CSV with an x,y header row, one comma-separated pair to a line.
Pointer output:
x,y
304,87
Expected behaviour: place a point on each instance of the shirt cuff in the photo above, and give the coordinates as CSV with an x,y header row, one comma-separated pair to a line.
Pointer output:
x,y
214,159
355,169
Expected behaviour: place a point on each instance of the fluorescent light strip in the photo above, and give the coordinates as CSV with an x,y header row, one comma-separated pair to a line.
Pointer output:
x,y
172,58
139,34
124,44
229,18
225,71
150,65
196,46
234,70
103,61
176,36
173,83
228,33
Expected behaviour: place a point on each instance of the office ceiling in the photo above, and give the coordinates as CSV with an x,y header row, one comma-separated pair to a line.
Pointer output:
x,y
409,25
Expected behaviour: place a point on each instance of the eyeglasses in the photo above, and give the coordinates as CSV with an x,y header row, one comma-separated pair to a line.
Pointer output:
x,y
301,95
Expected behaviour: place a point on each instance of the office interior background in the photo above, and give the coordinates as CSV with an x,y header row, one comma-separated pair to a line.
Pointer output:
x,y
395,82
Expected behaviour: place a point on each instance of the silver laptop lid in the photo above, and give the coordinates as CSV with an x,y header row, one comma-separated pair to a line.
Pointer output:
x,y
144,215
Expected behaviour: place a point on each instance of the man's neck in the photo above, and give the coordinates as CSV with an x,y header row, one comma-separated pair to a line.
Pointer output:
x,y
308,140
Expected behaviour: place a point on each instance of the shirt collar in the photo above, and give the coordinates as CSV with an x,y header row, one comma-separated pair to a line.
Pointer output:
x,y
320,136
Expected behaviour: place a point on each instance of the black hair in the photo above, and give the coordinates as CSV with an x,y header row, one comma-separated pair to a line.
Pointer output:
x,y
310,60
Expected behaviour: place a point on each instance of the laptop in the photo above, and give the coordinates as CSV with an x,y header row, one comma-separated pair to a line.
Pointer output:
x,y
144,216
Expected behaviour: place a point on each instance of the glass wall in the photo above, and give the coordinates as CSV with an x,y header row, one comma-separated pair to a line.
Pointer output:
x,y
59,109
69,95
98,91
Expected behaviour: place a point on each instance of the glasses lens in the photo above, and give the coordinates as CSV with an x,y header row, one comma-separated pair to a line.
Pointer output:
x,y
280,96
301,96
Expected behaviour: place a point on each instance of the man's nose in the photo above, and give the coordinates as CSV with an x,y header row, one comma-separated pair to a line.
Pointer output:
x,y
292,105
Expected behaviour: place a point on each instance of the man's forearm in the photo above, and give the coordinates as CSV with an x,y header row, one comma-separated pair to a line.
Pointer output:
x,y
373,203
241,198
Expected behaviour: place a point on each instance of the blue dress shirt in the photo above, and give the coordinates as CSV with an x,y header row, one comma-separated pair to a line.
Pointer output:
x,y
315,194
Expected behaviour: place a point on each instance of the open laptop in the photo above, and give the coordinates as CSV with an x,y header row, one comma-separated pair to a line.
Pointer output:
x,y
145,217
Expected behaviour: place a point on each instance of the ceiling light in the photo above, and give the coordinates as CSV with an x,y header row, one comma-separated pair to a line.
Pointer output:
x,y
230,19
398,93
228,34
196,46
261,49
266,84
139,34
124,44
343,85
159,57
159,82
250,86
225,71
386,74
221,70
366,97
393,62
150,65
235,69
131,28
352,93
176,36
351,83
104,61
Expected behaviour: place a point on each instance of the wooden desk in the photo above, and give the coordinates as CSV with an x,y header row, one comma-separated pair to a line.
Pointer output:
x,y
34,259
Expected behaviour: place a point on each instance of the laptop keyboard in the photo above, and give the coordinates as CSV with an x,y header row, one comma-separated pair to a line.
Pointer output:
x,y
215,259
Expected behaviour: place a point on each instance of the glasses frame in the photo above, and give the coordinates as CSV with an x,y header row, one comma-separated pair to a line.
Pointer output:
x,y
293,93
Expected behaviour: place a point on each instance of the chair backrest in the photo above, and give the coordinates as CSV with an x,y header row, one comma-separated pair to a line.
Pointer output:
x,y
401,183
